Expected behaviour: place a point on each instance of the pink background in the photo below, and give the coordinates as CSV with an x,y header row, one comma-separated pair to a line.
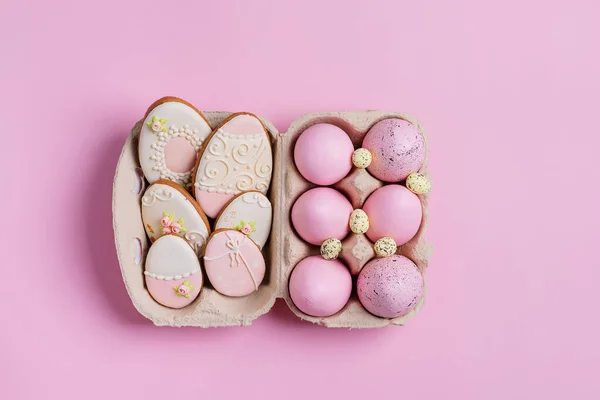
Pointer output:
x,y
508,91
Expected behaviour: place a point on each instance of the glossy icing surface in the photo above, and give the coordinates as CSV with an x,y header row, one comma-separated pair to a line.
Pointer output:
x,y
251,213
171,135
233,263
236,158
168,209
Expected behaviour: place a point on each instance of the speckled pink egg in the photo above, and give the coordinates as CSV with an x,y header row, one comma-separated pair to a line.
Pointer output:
x,y
319,287
323,154
393,211
390,287
321,213
398,149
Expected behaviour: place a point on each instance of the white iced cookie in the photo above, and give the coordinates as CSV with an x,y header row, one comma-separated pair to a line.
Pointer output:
x,y
172,272
169,209
236,158
249,213
172,133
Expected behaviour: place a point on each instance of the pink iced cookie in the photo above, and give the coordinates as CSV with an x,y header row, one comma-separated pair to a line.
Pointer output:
x,y
233,263
397,147
236,157
393,211
390,287
319,287
172,272
323,154
171,136
321,213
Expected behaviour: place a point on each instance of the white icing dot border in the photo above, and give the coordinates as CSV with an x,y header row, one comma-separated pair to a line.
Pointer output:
x,y
171,278
183,178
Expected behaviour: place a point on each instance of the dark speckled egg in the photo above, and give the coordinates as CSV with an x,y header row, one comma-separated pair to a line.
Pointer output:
x,y
390,287
397,147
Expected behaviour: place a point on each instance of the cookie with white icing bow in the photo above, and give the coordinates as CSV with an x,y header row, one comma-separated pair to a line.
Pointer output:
x,y
172,133
235,158
249,213
233,263
168,209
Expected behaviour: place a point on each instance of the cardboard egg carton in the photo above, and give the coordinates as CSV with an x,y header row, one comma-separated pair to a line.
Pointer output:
x,y
284,248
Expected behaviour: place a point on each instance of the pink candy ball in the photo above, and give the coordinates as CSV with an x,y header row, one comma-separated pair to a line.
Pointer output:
x,y
319,287
390,287
393,211
323,154
398,149
320,214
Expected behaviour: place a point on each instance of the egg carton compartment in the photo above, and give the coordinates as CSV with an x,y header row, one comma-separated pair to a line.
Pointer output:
x,y
284,248
356,186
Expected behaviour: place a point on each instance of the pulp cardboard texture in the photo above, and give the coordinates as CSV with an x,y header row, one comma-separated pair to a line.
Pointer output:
x,y
284,248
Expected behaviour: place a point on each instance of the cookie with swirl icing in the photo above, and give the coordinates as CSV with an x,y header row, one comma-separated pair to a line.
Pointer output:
x,y
168,209
249,213
171,135
235,158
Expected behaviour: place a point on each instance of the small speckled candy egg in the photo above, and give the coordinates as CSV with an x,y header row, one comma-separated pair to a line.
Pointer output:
x,y
385,247
359,222
390,287
319,287
398,148
394,211
320,214
418,184
323,154
331,248
361,158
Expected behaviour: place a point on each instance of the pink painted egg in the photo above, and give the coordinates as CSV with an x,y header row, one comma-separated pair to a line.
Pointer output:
x,y
390,287
398,149
319,287
323,154
172,271
320,214
233,263
393,211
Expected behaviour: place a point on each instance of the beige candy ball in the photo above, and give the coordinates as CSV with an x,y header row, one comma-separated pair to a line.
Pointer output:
x,y
418,184
385,247
361,158
359,222
331,248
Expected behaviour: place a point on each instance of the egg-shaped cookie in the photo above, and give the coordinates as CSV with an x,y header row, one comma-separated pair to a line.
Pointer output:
x,y
172,133
233,263
168,209
249,213
172,272
236,157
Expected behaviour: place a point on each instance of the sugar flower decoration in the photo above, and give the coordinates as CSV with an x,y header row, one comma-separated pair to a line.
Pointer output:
x,y
246,227
158,124
184,289
169,225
